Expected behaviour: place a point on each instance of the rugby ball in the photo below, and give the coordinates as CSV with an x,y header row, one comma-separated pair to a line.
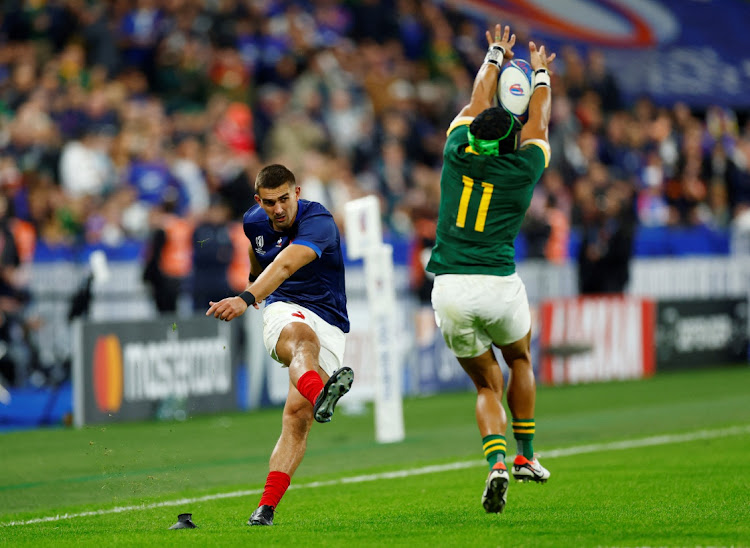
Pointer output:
x,y
514,88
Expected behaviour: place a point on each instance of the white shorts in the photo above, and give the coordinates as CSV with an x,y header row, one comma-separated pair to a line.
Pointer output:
x,y
278,315
474,311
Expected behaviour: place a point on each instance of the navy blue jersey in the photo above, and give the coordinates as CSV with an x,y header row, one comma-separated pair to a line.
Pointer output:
x,y
318,285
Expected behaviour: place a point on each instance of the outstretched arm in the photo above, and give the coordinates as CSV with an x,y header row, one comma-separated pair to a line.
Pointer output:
x,y
485,83
540,106
286,263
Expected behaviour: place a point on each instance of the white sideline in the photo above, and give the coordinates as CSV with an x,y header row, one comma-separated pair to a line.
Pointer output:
x,y
554,453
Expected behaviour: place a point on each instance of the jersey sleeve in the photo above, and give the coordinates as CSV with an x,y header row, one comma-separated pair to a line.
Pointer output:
x,y
534,155
317,232
459,121
458,137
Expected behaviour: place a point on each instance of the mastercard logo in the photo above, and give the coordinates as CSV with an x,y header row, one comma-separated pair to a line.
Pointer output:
x,y
107,366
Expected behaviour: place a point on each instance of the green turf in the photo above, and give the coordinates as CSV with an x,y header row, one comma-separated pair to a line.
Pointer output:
x,y
665,495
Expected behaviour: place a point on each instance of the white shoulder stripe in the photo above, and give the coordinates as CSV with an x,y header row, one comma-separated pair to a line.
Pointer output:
x,y
459,121
541,143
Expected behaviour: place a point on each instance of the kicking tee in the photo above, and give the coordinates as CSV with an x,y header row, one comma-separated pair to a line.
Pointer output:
x,y
319,285
483,200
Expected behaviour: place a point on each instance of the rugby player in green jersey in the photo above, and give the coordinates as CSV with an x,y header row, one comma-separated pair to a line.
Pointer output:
x,y
490,166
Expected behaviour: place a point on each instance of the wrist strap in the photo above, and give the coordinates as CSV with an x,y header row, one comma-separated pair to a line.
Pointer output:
x,y
541,78
495,55
251,278
248,297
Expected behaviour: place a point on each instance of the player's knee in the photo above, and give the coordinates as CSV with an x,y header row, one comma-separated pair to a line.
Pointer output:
x,y
517,355
488,382
485,378
304,353
307,347
517,361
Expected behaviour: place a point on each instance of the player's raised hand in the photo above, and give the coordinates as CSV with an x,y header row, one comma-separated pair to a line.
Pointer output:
x,y
539,58
502,38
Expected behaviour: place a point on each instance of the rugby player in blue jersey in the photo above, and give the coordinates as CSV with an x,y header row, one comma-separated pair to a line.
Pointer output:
x,y
297,267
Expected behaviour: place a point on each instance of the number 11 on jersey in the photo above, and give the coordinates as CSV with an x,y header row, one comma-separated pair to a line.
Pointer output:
x,y
484,204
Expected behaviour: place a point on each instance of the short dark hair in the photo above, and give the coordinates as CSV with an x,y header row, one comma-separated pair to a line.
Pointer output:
x,y
274,176
493,123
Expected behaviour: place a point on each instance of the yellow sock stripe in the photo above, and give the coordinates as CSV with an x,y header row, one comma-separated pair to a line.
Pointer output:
x,y
496,440
495,445
523,423
523,431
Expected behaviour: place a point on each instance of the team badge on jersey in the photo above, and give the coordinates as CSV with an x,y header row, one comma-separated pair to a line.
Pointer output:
x,y
259,245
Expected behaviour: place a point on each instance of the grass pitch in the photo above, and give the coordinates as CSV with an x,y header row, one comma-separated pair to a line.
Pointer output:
x,y
688,487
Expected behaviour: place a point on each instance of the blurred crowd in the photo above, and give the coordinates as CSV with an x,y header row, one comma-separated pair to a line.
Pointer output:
x,y
147,120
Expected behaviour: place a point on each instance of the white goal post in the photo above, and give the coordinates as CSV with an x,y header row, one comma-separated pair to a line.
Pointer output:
x,y
364,239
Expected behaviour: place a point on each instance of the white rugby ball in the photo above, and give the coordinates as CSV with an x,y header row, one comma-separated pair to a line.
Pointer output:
x,y
514,88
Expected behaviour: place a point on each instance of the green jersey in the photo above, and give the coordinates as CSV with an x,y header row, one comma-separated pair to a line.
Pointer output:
x,y
483,200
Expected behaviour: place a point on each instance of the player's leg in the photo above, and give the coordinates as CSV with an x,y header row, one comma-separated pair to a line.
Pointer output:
x,y
299,348
455,299
508,322
485,373
487,377
522,402
309,346
287,455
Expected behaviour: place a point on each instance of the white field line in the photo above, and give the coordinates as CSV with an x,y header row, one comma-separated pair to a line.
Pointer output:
x,y
433,469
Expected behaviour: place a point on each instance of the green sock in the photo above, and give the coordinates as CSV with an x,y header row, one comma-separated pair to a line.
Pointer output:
x,y
494,449
523,431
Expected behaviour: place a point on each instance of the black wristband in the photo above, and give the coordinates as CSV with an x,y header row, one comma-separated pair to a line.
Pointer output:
x,y
248,297
251,277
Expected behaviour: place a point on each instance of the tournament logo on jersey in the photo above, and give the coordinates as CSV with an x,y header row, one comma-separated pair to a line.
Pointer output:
x,y
108,377
259,245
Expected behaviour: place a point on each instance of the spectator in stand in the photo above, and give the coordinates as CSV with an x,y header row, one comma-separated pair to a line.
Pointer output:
x,y
85,166
213,252
151,177
186,169
602,81
170,254
140,31
606,248
738,176
17,356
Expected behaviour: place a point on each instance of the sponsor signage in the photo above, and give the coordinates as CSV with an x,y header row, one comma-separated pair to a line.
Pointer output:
x,y
163,368
590,339
695,333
